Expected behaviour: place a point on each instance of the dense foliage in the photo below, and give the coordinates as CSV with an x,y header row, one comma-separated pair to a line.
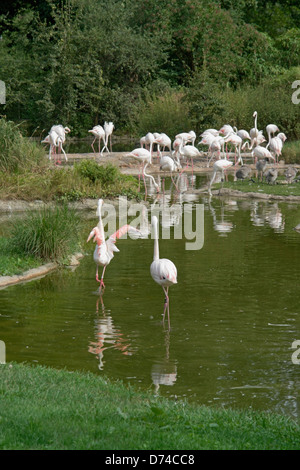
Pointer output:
x,y
80,62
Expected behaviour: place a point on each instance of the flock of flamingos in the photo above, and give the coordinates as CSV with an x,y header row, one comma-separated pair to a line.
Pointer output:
x,y
183,148
163,271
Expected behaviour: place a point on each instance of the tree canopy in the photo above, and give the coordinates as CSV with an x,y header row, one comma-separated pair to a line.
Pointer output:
x,y
85,61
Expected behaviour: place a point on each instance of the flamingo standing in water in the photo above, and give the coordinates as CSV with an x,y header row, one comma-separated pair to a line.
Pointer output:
x,y
219,166
163,271
150,178
104,250
143,156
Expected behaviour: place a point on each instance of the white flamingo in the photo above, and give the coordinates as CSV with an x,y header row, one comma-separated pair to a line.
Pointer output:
x,y
261,152
271,130
219,166
143,156
151,178
168,164
55,141
99,133
276,143
163,271
189,152
163,141
108,128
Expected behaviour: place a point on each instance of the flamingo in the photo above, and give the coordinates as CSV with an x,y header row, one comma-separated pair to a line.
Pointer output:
x,y
55,141
142,141
226,129
243,173
260,166
276,143
162,140
186,136
163,271
210,131
271,175
193,137
219,166
271,129
189,151
261,152
149,138
254,142
61,131
143,155
151,178
236,140
108,128
242,133
290,174
208,139
168,164
255,133
104,250
99,133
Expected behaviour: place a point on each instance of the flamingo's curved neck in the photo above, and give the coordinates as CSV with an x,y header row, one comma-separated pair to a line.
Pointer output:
x,y
255,122
156,247
100,223
150,176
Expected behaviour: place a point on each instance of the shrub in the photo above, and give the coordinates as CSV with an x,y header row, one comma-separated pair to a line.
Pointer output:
x,y
17,152
163,113
48,234
96,173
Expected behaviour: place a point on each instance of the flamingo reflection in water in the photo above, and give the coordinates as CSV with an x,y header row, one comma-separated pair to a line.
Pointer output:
x,y
107,336
165,371
104,251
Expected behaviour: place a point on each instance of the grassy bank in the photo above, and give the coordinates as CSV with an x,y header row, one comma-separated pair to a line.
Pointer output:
x,y
43,408
47,234
279,189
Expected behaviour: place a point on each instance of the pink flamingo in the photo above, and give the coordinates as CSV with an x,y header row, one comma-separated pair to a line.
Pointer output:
x,y
104,250
163,271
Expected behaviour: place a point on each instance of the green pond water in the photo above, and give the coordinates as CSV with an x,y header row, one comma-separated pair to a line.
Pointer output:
x,y
234,312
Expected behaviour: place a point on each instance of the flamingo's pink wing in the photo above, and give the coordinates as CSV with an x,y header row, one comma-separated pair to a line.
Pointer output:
x,y
122,231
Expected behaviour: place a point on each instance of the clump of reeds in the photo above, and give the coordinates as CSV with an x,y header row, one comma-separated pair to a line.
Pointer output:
x,y
48,233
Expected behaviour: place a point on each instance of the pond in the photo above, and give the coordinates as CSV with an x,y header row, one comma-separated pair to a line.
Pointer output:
x,y
234,312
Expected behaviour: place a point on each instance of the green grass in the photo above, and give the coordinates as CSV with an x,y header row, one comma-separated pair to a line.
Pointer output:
x,y
67,184
48,234
12,263
43,408
278,189
291,152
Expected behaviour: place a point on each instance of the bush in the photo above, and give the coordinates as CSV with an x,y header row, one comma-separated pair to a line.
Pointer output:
x,y
166,113
17,152
47,234
96,173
